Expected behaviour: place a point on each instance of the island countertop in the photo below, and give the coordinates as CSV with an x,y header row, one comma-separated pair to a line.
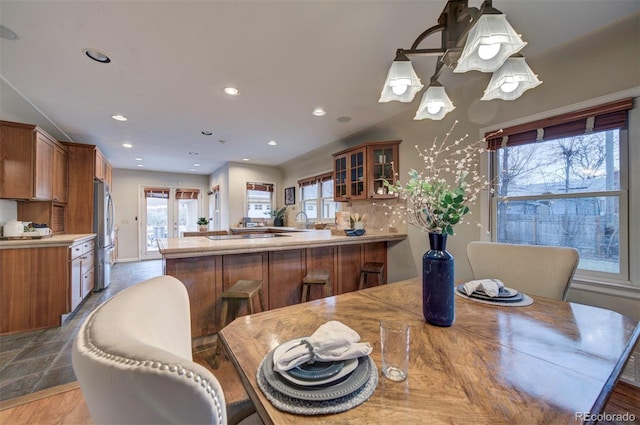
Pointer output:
x,y
202,246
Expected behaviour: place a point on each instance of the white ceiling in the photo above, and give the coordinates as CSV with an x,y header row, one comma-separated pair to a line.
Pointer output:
x,y
171,60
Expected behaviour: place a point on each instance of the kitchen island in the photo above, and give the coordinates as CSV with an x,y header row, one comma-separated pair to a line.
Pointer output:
x,y
209,265
43,280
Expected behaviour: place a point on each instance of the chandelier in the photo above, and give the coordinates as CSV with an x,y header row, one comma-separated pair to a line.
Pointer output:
x,y
473,38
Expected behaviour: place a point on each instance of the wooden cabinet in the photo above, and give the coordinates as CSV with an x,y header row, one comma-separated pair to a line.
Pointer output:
x,y
103,168
33,165
50,213
86,164
81,272
60,174
37,290
43,167
33,288
359,172
79,214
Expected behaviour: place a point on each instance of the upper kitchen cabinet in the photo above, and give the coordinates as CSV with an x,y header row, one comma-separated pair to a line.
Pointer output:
x,y
103,168
60,174
82,173
33,164
360,172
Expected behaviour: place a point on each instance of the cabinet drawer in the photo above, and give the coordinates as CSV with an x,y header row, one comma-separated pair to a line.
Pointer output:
x,y
87,282
75,251
88,261
88,246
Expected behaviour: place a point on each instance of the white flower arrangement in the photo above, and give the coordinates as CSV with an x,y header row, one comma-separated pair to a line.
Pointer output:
x,y
432,203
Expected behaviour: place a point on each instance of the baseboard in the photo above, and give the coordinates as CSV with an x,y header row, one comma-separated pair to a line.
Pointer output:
x,y
48,392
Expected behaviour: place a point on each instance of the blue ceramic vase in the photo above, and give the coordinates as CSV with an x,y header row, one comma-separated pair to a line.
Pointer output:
x,y
437,282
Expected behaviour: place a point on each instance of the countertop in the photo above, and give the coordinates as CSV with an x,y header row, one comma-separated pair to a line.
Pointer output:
x,y
47,242
200,245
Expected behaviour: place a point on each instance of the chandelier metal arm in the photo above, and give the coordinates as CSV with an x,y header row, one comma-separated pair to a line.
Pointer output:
x,y
414,47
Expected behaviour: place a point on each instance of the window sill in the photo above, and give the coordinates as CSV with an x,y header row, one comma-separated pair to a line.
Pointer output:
x,y
624,289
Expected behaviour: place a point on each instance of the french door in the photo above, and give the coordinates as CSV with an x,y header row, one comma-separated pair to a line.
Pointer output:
x,y
167,212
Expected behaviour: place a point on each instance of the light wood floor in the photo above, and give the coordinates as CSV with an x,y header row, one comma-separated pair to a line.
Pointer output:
x,y
65,405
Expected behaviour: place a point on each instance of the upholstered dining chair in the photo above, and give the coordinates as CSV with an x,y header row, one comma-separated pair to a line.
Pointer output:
x,y
545,271
132,357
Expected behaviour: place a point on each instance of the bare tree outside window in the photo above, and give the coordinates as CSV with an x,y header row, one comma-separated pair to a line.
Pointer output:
x,y
563,192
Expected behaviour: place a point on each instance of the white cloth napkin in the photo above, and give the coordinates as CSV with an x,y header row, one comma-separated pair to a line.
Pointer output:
x,y
330,342
491,287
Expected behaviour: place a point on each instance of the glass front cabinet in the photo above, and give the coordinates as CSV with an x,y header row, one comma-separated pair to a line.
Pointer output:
x,y
360,172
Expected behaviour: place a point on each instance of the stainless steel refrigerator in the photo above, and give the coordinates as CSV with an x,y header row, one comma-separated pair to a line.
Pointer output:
x,y
103,222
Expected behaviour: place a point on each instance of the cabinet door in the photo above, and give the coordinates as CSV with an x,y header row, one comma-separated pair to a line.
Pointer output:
x,y
286,270
88,280
340,182
43,171
383,164
60,173
357,167
76,283
16,160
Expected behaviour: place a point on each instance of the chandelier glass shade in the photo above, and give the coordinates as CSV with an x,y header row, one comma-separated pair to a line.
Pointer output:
x,y
435,103
402,82
511,80
489,43
478,39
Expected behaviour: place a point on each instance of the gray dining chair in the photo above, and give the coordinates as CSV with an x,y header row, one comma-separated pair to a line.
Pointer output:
x,y
545,271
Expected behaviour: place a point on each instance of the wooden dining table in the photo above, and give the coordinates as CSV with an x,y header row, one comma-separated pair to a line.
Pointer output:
x,y
549,362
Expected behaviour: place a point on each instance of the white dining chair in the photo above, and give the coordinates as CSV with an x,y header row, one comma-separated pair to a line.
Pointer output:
x,y
544,271
133,360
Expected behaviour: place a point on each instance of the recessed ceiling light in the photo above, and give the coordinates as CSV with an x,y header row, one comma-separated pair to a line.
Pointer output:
x,y
343,119
138,159
245,159
140,165
7,34
231,91
196,165
319,112
206,133
97,55
119,117
191,169
127,145
272,143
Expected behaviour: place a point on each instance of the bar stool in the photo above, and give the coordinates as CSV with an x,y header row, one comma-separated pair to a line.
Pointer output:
x,y
315,277
371,268
241,291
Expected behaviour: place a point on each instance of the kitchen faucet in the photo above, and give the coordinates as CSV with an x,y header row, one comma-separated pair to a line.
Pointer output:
x,y
306,219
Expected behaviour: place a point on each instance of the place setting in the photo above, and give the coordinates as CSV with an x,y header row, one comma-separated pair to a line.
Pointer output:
x,y
329,371
492,291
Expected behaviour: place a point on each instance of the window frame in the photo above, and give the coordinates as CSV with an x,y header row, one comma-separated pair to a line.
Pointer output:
x,y
626,274
269,188
318,181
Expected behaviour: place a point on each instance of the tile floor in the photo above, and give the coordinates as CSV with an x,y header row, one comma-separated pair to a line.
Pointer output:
x,y
35,360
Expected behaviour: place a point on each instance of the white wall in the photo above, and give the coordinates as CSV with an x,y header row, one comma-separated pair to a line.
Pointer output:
x,y
126,198
239,175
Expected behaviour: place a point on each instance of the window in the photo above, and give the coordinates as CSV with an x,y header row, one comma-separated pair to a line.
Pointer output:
x,y
316,194
562,181
259,199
